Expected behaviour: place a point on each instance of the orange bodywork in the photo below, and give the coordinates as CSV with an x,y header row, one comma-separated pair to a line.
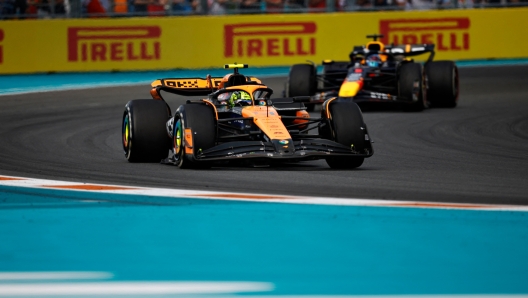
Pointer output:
x,y
268,120
327,107
154,93
156,83
207,85
227,76
265,117
224,80
188,141
302,122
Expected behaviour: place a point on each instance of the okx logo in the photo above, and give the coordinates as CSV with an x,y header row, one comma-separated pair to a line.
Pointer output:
x,y
123,43
449,34
270,39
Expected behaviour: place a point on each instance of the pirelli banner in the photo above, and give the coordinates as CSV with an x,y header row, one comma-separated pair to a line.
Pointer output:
x,y
72,45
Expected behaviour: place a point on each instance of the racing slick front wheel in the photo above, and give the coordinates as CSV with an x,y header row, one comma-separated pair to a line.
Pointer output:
x,y
442,81
144,135
302,81
199,121
347,128
411,86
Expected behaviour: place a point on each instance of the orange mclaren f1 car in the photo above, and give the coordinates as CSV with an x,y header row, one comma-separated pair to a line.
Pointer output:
x,y
238,120
380,73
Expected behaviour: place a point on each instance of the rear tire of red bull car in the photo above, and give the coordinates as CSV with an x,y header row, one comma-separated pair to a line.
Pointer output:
x,y
443,83
411,85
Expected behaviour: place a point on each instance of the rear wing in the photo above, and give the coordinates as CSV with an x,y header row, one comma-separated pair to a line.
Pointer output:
x,y
187,86
409,50
406,50
191,86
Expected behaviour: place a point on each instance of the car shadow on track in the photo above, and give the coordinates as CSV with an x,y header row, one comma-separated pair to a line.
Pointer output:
x,y
314,165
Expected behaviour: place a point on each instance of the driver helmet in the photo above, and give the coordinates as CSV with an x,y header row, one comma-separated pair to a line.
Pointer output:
x,y
239,97
374,60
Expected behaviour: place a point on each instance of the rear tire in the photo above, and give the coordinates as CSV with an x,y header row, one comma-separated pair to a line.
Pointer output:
x,y
411,85
302,81
144,135
201,120
443,83
347,123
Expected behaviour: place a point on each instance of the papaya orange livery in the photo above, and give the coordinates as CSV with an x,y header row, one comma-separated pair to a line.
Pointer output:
x,y
238,119
268,120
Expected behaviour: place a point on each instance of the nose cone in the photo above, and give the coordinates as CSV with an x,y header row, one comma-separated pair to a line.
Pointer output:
x,y
349,89
284,147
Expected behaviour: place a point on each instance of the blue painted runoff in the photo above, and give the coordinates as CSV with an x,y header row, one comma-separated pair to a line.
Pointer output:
x,y
300,249
16,84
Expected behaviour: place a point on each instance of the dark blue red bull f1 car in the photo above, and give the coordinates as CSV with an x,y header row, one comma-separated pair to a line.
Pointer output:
x,y
380,73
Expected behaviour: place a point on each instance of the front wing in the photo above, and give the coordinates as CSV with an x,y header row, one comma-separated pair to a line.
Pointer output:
x,y
362,97
306,149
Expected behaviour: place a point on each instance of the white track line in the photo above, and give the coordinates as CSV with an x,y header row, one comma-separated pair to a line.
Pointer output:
x,y
131,288
22,276
191,194
44,288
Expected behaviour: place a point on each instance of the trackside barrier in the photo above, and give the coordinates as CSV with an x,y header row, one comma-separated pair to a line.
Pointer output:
x,y
79,45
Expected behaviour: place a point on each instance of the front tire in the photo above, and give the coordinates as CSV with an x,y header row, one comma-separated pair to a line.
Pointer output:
x,y
144,136
411,85
347,128
443,83
201,120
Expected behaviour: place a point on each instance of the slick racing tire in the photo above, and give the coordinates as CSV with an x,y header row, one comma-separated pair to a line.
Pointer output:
x,y
201,120
144,135
443,83
302,81
411,85
347,123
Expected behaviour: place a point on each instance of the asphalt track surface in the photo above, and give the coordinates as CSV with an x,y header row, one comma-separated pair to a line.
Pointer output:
x,y
474,153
